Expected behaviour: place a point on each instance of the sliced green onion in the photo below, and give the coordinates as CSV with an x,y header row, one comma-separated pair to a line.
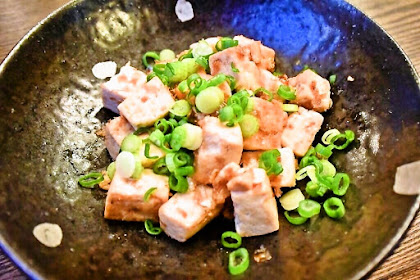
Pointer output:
x,y
186,55
203,62
290,200
152,55
216,80
138,169
249,125
312,189
225,43
193,138
183,86
295,220
169,160
277,74
157,137
334,208
302,173
232,82
202,48
209,100
91,179
290,108
270,163
307,158
178,138
308,208
328,169
181,108
110,171
141,130
232,235
226,114
166,55
160,167
267,92
125,164
151,229
340,184
147,152
196,84
322,151
149,193
184,171
348,135
238,261
234,69
332,79
182,159
131,143
286,92
329,135
178,183
178,71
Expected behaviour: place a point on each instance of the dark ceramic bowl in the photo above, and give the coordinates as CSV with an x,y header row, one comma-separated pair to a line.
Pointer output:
x,y
50,109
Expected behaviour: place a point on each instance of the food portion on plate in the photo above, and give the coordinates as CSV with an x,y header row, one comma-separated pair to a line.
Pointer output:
x,y
216,125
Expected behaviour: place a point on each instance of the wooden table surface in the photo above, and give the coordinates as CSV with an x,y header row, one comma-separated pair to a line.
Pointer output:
x,y
400,18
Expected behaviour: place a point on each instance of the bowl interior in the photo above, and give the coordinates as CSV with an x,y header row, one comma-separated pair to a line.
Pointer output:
x,y
51,110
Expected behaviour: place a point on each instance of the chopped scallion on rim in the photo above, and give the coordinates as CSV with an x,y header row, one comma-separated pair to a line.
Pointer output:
x,y
329,135
231,235
334,208
295,219
91,179
151,229
308,208
238,261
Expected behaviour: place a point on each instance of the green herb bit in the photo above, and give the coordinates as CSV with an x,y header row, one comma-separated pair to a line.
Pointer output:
x,y
238,261
295,219
269,162
308,208
91,179
286,92
332,79
152,55
334,208
266,92
232,235
234,69
225,43
148,194
151,229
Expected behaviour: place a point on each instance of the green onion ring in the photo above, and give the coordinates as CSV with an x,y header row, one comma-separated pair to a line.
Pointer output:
x,y
334,208
91,179
329,135
233,235
340,184
148,194
160,167
147,55
151,229
286,92
308,208
235,267
178,183
295,220
263,90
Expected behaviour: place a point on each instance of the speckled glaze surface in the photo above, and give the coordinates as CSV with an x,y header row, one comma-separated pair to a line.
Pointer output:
x,y
50,109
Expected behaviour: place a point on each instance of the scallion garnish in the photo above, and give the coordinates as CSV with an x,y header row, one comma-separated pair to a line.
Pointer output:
x,y
148,194
266,92
348,136
181,108
231,235
249,125
166,55
322,151
147,152
238,261
286,92
329,135
334,208
269,161
178,183
295,219
340,184
110,171
225,43
290,108
332,79
160,167
152,55
308,208
234,69
151,229
209,100
186,55
131,143
91,179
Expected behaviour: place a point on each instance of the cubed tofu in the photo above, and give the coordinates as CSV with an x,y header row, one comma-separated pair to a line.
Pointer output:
x,y
300,130
286,178
249,75
272,120
153,151
152,102
312,91
187,213
255,207
115,132
122,85
221,145
221,179
125,199
262,56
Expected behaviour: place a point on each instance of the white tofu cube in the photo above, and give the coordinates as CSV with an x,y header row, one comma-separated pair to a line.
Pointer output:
x,y
115,132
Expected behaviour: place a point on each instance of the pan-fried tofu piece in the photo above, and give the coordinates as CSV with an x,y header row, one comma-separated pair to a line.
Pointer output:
x,y
152,102
272,120
249,75
255,207
286,178
312,91
221,145
220,181
115,132
125,199
300,130
262,56
122,85
186,213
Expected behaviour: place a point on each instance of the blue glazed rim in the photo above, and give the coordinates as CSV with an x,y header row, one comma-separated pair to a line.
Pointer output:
x,y
381,256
